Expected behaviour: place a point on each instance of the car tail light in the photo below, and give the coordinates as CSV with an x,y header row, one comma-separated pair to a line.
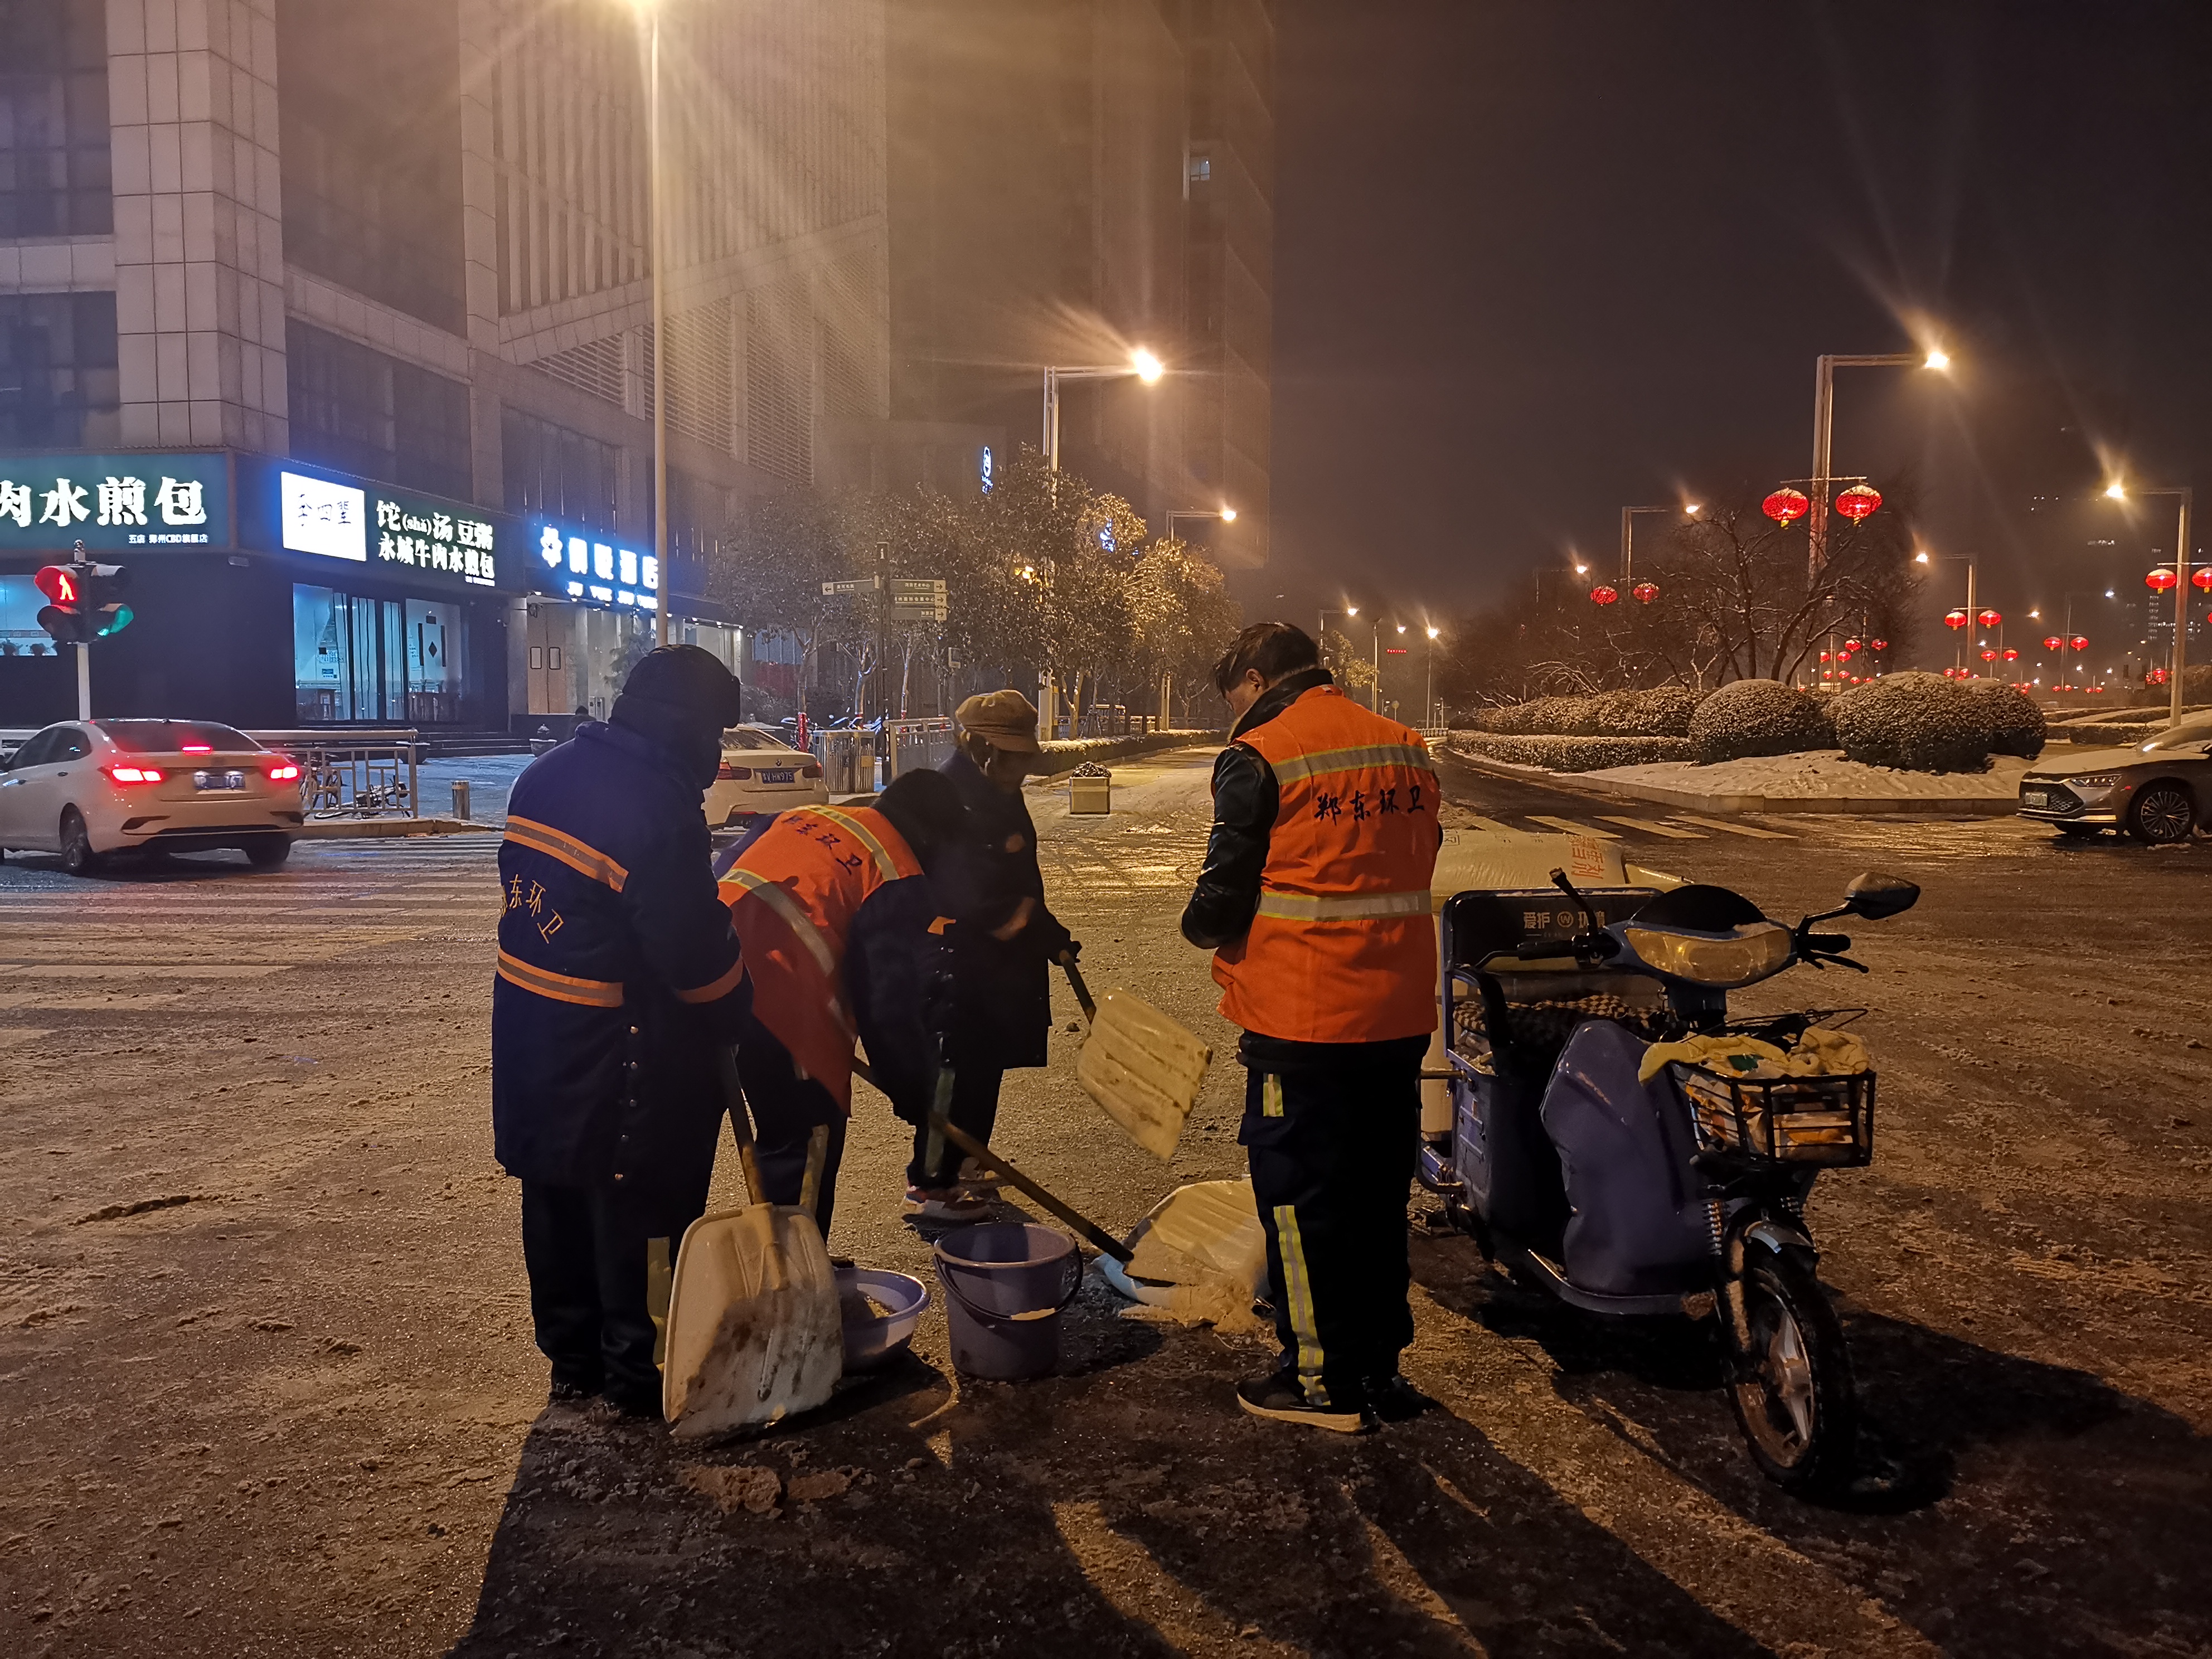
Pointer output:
x,y
133,774
730,773
195,749
284,774
809,771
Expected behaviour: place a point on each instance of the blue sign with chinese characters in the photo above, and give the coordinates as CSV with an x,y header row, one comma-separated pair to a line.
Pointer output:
x,y
422,540
588,567
114,503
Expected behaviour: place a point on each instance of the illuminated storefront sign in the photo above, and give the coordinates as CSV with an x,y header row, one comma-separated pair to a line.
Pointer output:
x,y
417,537
425,541
324,517
113,503
581,566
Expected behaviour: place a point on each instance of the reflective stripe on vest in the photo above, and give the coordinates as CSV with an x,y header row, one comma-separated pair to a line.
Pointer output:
x,y
562,987
1354,906
778,898
886,865
578,855
1323,761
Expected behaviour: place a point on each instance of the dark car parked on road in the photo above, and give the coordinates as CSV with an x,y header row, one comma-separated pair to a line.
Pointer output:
x,y
2159,791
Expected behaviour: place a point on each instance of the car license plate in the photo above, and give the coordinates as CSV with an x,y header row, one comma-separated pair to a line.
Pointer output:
x,y
218,779
778,774
2036,797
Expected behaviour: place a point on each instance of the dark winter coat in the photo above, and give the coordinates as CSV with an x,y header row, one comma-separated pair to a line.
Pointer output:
x,y
1002,988
618,968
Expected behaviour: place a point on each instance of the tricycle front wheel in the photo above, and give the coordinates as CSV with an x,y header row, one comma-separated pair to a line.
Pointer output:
x,y
1791,1383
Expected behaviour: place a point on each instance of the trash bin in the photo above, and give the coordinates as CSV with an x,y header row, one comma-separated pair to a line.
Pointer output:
x,y
1091,794
461,799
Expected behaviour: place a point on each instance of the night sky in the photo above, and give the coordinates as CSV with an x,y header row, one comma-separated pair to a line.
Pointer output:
x,y
1539,260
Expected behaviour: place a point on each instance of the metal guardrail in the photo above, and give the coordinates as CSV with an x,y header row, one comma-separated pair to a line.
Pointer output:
x,y
354,775
849,759
916,745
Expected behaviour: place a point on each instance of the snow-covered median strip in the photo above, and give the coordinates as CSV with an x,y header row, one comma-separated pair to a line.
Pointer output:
x,y
1820,780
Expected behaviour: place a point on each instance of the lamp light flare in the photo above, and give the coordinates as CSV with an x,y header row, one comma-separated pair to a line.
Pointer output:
x,y
1229,515
2116,490
1433,632
1938,360
1148,368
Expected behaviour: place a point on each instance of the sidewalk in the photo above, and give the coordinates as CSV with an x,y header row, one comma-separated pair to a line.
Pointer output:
x,y
1823,782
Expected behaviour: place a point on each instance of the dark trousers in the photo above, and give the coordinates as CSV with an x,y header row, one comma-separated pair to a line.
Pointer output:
x,y
586,1249
1331,1137
785,1107
974,1107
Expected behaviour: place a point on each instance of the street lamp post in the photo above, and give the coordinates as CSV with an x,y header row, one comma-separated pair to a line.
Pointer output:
x,y
1429,704
1226,514
1973,616
1373,691
1628,515
656,254
1142,364
1824,419
2119,492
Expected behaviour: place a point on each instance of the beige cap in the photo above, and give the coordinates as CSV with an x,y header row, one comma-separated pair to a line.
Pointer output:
x,y
1004,720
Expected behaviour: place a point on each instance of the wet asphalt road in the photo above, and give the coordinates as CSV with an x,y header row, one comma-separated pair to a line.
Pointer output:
x,y
266,1381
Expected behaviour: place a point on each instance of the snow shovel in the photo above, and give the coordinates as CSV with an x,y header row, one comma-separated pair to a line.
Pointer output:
x,y
1142,1068
754,1330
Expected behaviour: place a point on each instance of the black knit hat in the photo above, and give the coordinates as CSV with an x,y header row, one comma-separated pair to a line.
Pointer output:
x,y
926,809
688,677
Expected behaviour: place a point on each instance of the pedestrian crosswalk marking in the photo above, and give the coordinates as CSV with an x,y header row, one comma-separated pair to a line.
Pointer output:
x,y
1494,826
1572,828
1652,828
1731,829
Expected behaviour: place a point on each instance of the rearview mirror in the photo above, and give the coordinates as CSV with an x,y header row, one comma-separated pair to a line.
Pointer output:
x,y
1875,896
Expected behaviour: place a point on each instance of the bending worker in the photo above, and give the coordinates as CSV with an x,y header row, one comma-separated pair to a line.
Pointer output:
x,y
619,975
1315,899
839,925
1004,946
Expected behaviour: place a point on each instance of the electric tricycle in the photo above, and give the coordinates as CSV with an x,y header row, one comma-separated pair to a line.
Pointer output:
x,y
1618,1142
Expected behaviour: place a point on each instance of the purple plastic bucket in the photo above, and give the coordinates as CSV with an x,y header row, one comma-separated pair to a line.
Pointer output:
x,y
1005,1285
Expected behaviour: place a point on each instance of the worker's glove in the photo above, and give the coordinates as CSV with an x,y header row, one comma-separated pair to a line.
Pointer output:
x,y
1052,939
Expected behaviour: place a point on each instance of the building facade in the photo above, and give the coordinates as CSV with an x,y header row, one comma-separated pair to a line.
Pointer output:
x,y
346,258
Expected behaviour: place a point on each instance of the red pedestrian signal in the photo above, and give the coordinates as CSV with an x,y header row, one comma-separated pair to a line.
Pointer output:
x,y
87,602
59,583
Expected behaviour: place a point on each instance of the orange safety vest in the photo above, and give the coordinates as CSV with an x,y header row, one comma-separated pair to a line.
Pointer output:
x,y
1343,948
793,896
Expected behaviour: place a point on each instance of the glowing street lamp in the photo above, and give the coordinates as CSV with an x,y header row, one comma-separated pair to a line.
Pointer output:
x,y
1823,420
1628,515
2177,581
1226,512
1142,364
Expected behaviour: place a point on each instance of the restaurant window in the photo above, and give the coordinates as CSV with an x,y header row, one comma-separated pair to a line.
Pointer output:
x,y
361,411
59,387
20,633
53,119
396,661
561,473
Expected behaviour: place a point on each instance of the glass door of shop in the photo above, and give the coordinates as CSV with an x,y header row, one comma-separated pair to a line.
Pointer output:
x,y
382,661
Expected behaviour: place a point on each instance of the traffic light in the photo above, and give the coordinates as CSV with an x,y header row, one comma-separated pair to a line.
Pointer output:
x,y
86,601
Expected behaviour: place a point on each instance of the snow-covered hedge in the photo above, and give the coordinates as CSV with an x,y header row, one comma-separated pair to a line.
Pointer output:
x,y
2015,724
1746,718
1916,722
1662,712
1064,755
1562,754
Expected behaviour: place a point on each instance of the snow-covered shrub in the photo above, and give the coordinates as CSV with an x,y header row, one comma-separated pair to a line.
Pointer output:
x,y
1663,712
1561,754
1759,717
1914,722
2015,723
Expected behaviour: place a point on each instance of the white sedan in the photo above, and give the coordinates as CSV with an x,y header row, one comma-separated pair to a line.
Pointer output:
x,y
87,788
762,772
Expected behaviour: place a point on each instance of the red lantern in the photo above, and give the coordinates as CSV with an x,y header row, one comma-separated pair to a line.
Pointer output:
x,y
1785,505
2156,676
2203,577
1645,591
2011,655
2160,580
1954,620
1824,656
1850,645
1991,618
1881,645
1989,656
2079,641
1857,502
2052,643
1602,595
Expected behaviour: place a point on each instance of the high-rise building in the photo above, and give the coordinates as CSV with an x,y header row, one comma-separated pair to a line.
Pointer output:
x,y
368,286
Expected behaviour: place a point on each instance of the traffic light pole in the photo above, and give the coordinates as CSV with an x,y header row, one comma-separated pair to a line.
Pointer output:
x,y
83,681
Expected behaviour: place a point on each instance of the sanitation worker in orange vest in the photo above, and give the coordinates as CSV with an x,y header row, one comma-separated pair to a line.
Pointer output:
x,y
1315,899
839,923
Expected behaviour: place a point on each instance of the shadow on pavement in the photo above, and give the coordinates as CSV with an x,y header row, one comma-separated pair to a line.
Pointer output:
x,y
1117,1510
2032,1508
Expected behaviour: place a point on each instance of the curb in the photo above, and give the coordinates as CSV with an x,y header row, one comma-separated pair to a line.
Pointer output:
x,y
381,829
1738,805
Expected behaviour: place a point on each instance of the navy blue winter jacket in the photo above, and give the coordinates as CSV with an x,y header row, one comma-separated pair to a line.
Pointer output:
x,y
619,969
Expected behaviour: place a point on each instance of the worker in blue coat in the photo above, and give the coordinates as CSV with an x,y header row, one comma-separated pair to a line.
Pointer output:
x,y
619,980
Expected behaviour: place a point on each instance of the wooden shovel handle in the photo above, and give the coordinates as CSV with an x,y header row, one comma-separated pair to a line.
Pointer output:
x,y
990,1160
741,1126
1082,991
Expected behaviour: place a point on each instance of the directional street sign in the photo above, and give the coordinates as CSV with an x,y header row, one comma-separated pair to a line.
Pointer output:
x,y
917,599
865,585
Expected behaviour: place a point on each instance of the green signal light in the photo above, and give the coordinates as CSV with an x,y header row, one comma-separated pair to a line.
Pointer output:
x,y
117,620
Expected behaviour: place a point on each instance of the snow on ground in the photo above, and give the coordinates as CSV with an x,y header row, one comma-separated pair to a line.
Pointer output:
x,y
1822,774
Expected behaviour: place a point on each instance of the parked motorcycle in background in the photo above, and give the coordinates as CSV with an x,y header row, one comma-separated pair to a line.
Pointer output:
x,y
1619,1143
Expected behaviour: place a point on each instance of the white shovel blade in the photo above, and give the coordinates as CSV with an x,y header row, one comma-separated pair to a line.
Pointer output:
x,y
754,1332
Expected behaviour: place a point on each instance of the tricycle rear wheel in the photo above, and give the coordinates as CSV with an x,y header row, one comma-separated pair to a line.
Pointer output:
x,y
1791,1384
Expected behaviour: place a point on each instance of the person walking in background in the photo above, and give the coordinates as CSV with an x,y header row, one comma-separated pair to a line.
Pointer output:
x,y
619,977
1315,899
835,911
1004,940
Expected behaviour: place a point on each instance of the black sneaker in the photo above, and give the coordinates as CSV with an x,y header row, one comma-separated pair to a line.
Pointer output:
x,y
1394,1400
1277,1397
569,1394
